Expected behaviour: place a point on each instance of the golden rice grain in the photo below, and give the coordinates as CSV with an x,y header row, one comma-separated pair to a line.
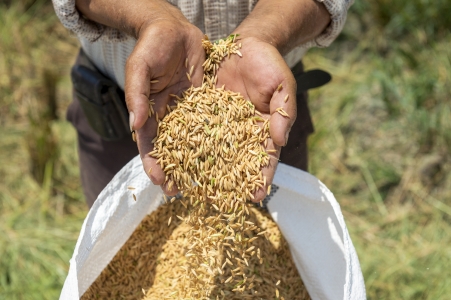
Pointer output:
x,y
211,146
151,257
281,111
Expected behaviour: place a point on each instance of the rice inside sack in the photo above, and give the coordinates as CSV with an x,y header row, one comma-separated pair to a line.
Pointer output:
x,y
146,267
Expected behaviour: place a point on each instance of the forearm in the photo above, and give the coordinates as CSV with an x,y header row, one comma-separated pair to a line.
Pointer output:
x,y
285,24
128,16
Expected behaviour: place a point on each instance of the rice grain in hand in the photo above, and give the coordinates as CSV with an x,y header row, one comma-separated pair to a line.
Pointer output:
x,y
211,146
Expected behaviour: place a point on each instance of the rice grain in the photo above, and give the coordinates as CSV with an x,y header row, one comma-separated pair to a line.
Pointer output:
x,y
211,146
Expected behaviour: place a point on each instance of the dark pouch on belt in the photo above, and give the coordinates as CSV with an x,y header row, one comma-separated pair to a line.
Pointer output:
x,y
102,102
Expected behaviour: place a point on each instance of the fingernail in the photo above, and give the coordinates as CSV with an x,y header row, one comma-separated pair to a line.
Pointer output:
x,y
131,119
286,137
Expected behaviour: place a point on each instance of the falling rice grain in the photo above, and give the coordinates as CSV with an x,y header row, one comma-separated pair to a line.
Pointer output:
x,y
165,280
211,146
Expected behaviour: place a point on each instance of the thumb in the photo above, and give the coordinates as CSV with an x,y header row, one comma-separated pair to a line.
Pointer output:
x,y
283,111
137,90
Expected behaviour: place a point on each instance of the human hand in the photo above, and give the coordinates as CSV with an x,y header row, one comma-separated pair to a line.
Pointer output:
x,y
155,69
257,75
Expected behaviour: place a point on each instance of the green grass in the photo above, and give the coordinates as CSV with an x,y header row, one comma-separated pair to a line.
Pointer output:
x,y
382,145
41,204
39,224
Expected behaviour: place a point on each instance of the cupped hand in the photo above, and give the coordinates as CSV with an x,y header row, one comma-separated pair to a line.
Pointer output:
x,y
257,76
155,69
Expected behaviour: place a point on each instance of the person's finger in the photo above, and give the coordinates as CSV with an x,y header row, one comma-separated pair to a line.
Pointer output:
x,y
150,165
147,133
137,89
144,140
145,137
283,111
152,168
269,171
169,188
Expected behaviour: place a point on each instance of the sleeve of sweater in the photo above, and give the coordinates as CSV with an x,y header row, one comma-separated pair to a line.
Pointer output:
x,y
73,20
338,10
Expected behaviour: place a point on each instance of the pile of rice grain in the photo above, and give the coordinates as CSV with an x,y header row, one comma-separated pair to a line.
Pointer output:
x,y
211,146
149,262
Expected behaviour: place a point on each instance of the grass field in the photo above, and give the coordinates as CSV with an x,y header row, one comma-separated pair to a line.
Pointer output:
x,y
382,145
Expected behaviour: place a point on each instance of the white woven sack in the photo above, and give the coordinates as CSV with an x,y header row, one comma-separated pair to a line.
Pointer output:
x,y
306,212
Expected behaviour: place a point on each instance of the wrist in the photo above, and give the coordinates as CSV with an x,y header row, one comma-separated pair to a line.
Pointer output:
x,y
285,25
178,33
247,34
250,42
168,17
129,17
